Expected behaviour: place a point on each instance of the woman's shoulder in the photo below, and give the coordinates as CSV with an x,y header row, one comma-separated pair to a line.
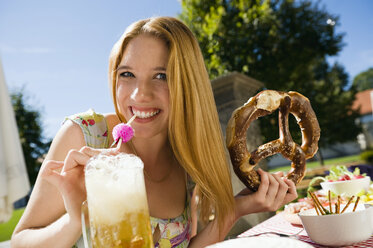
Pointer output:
x,y
68,137
82,129
111,119
88,117
91,117
92,114
94,126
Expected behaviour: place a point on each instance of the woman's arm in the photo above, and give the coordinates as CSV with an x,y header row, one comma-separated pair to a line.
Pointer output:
x,y
273,192
45,222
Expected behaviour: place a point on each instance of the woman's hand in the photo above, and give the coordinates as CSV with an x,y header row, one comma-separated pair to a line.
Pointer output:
x,y
68,178
274,191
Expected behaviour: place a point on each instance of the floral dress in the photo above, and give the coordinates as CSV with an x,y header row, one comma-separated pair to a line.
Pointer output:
x,y
174,232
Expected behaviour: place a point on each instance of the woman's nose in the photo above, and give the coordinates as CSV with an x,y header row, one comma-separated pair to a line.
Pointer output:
x,y
142,91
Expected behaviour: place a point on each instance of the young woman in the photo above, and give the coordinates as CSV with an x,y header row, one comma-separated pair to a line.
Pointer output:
x,y
157,72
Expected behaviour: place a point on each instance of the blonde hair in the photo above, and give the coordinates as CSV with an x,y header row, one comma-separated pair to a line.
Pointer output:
x,y
194,131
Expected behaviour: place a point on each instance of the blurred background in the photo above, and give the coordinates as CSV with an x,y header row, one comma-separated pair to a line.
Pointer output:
x,y
55,59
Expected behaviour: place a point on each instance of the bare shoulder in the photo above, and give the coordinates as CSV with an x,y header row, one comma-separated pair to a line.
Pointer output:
x,y
70,136
112,120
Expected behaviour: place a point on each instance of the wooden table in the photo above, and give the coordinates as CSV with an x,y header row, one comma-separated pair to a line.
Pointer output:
x,y
279,224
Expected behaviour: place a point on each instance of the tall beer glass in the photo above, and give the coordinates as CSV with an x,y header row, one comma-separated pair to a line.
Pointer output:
x,y
117,203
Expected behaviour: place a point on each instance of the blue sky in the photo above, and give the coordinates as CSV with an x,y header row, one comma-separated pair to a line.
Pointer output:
x,y
59,50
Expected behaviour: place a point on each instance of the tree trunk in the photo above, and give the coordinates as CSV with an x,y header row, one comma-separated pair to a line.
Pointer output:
x,y
321,158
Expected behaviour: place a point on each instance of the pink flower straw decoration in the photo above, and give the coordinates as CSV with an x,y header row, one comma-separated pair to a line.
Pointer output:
x,y
123,132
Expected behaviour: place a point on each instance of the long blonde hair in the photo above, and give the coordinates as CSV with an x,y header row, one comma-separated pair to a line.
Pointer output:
x,y
194,131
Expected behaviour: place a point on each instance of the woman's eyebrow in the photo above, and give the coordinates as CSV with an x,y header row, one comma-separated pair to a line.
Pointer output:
x,y
126,67
159,68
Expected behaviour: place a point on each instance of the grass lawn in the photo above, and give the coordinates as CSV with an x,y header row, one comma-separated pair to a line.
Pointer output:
x,y
6,229
329,162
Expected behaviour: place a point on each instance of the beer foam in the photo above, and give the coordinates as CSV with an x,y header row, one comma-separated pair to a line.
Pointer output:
x,y
115,186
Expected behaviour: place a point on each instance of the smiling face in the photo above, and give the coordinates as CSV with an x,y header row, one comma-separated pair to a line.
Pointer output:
x,y
142,87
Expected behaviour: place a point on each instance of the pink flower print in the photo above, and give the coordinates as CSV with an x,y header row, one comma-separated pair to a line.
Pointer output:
x,y
105,134
84,122
91,122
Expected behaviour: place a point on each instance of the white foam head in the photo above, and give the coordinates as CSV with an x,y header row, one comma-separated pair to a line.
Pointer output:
x,y
115,186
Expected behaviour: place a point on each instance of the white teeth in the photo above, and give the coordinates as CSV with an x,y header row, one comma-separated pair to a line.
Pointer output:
x,y
142,114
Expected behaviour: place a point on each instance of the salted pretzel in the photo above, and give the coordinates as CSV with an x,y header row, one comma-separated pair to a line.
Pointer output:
x,y
265,103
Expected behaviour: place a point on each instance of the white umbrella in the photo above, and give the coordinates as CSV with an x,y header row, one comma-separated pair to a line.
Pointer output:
x,y
14,183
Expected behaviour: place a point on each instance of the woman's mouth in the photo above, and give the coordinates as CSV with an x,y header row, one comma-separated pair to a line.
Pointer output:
x,y
143,114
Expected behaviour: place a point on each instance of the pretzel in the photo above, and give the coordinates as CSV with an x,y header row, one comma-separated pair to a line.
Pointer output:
x,y
320,210
265,103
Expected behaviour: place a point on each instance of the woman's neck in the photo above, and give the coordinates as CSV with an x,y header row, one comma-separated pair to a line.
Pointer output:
x,y
154,152
159,161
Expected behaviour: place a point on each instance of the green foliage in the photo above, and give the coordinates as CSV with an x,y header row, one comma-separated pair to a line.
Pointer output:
x,y
367,156
364,80
333,104
283,43
352,159
33,143
7,228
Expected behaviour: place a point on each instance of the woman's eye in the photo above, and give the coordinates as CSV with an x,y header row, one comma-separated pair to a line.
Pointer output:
x,y
126,74
161,76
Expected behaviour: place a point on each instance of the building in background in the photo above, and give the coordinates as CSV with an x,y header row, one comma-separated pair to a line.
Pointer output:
x,y
364,101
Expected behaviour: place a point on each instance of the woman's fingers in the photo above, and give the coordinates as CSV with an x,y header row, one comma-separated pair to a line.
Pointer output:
x,y
273,187
279,173
264,183
282,190
274,191
74,158
292,191
81,157
51,172
89,151
292,188
111,151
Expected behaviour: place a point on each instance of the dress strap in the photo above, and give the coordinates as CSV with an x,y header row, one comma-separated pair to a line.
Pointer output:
x,y
94,128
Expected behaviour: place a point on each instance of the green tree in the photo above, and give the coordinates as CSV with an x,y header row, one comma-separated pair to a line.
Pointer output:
x,y
34,145
333,104
364,80
283,43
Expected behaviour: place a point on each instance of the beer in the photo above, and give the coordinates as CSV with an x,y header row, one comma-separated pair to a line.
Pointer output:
x,y
124,233
117,203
